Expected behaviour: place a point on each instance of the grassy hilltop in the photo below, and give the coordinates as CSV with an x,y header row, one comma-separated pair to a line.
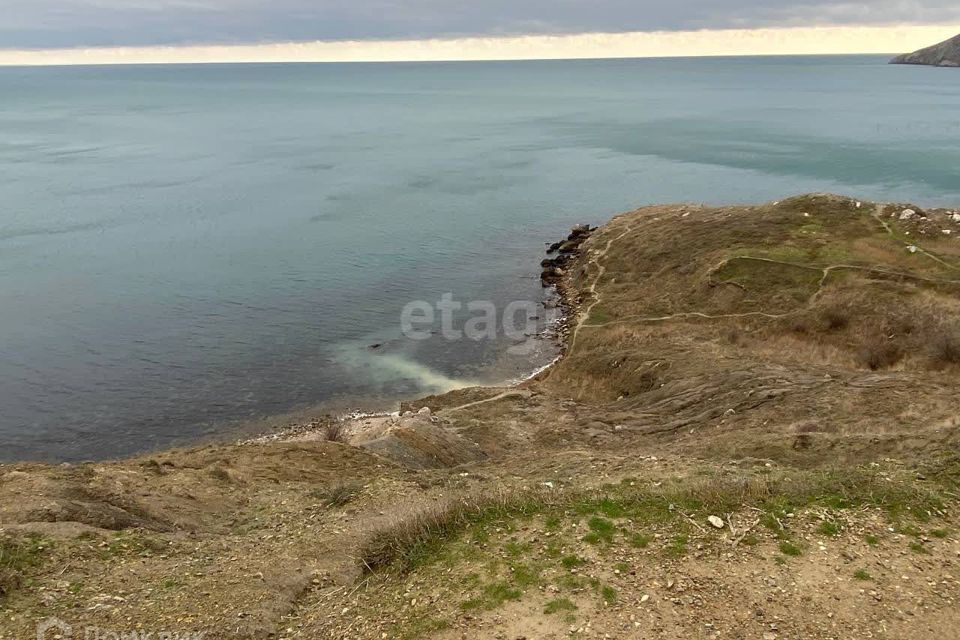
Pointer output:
x,y
753,433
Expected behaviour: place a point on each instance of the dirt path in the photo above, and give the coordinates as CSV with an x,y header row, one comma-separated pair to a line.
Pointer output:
x,y
826,271
878,216
584,314
513,393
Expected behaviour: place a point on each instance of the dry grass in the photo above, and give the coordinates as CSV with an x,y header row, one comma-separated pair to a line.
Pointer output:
x,y
336,432
880,352
416,534
339,495
835,318
661,271
945,347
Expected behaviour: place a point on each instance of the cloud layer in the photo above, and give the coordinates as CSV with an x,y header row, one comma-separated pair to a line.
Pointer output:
x,y
97,23
804,40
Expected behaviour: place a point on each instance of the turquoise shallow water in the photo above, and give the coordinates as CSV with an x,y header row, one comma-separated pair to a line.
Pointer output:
x,y
186,247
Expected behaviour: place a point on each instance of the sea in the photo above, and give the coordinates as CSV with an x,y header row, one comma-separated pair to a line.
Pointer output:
x,y
189,253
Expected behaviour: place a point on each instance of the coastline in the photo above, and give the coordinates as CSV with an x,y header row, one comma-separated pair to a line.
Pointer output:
x,y
362,423
336,533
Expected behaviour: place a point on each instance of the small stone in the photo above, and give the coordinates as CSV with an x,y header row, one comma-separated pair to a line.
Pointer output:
x,y
644,598
716,522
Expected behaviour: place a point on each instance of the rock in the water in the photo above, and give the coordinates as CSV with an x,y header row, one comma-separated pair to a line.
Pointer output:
x,y
945,54
554,269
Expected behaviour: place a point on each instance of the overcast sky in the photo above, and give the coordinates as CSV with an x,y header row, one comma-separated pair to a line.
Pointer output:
x,y
95,23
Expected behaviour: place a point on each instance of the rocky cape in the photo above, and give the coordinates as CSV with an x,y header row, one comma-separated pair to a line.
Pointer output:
x,y
945,54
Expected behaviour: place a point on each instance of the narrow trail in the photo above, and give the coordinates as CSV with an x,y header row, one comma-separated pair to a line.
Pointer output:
x,y
513,393
826,271
690,314
584,314
878,216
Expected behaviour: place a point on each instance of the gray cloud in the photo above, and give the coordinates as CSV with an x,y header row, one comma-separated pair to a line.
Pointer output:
x,y
69,23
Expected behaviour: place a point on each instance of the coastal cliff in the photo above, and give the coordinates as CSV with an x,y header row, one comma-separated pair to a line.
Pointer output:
x,y
753,433
945,54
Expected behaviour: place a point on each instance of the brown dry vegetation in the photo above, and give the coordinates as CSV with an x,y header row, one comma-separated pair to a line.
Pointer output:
x,y
791,368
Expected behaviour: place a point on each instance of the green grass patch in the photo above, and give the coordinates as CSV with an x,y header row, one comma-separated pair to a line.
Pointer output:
x,y
559,605
525,576
130,543
602,529
795,279
572,562
917,547
861,574
640,540
871,539
750,540
788,548
17,557
677,547
421,627
492,596
598,316
573,582
829,528
939,533
516,549
421,538
608,594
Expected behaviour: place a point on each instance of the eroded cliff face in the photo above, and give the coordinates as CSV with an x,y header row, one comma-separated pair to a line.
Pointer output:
x,y
945,54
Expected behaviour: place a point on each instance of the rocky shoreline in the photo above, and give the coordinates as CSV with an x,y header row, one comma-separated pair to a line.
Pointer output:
x,y
554,274
362,428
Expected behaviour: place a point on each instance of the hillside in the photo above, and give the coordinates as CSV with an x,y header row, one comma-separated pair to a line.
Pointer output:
x,y
753,433
945,54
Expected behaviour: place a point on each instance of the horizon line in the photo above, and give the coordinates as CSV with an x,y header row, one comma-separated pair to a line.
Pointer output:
x,y
784,41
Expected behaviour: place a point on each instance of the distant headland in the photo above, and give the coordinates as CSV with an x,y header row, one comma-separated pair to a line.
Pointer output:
x,y
945,54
